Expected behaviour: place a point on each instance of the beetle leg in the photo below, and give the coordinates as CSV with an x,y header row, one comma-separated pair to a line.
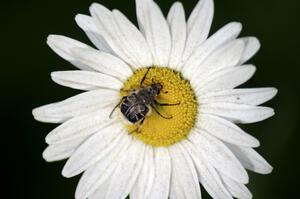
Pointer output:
x,y
139,125
170,117
131,132
165,104
130,90
152,80
142,121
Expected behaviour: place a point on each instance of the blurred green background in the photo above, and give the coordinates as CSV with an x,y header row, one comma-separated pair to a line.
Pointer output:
x,y
25,81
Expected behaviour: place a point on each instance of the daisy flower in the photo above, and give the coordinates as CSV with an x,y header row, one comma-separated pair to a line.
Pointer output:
x,y
159,112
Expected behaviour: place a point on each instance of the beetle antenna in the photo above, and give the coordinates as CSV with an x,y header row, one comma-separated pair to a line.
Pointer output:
x,y
142,82
111,113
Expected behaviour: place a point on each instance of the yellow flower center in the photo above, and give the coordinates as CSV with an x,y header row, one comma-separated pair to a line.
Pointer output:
x,y
164,124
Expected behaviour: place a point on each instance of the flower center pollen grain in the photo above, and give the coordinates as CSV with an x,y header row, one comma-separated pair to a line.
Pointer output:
x,y
175,122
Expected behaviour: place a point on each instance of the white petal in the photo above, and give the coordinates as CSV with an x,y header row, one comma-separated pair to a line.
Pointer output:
x,y
237,190
198,25
60,151
219,156
251,159
77,105
177,24
226,78
100,192
103,62
141,13
227,33
226,56
252,46
122,36
161,184
136,42
145,180
126,172
207,175
155,29
226,131
238,113
81,126
94,149
184,183
105,23
252,96
99,175
87,24
62,46
86,80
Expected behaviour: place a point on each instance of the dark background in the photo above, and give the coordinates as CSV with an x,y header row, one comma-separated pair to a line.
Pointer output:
x,y
26,62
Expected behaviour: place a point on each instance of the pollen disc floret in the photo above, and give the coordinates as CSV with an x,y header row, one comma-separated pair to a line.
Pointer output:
x,y
179,119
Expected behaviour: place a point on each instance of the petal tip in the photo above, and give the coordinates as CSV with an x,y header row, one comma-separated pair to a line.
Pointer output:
x,y
269,169
255,42
256,143
53,38
48,139
271,112
274,91
252,68
66,172
79,17
55,76
37,113
235,25
96,7
266,169
45,155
